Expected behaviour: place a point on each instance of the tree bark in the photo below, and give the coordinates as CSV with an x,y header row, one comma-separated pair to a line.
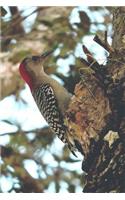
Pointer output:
x,y
96,115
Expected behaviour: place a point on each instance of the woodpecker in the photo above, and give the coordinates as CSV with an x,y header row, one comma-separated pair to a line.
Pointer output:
x,y
51,98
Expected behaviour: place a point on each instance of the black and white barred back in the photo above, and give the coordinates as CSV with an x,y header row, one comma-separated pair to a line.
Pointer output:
x,y
48,106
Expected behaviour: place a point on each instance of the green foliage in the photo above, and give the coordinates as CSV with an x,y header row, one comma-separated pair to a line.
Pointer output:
x,y
20,55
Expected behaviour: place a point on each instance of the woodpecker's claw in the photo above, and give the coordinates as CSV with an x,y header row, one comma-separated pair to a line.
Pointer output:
x,y
47,53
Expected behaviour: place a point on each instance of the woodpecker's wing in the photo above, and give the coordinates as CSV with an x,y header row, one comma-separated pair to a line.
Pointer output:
x,y
48,106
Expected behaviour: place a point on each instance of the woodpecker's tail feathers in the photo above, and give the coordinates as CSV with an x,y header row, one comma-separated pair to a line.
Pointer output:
x,y
72,149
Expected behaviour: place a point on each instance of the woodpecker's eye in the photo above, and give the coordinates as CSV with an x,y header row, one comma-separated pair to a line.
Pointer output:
x,y
35,58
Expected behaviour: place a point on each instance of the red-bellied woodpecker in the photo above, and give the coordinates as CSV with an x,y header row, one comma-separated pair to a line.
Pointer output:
x,y
51,98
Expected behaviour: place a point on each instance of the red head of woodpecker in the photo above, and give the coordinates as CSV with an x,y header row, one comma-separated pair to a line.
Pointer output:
x,y
30,67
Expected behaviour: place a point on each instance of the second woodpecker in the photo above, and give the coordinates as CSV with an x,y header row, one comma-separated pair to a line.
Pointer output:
x,y
51,98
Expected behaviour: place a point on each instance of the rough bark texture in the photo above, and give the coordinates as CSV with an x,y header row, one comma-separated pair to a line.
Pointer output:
x,y
96,117
119,28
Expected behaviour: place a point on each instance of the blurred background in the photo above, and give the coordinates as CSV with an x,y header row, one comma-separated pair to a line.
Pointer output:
x,y
32,158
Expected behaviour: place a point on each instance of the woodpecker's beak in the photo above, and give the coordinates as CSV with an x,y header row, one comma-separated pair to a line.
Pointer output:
x,y
43,56
46,54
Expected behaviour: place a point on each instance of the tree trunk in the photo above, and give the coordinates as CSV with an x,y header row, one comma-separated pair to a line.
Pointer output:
x,y
96,115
